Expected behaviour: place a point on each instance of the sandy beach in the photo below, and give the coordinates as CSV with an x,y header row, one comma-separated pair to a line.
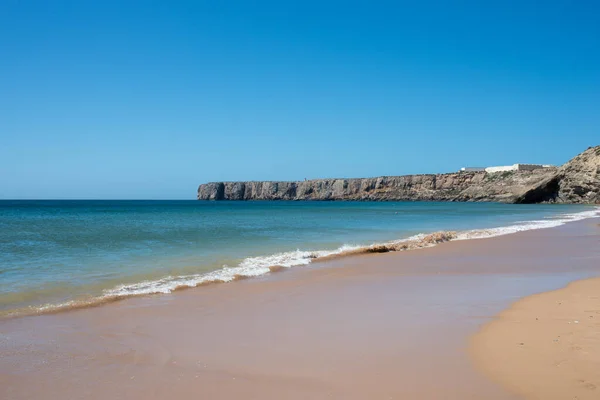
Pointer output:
x,y
382,326
546,346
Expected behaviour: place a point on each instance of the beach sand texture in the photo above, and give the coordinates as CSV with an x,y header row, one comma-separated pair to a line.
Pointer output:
x,y
381,326
546,346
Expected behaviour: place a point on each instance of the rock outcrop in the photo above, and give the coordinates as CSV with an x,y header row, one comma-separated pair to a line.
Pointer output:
x,y
578,181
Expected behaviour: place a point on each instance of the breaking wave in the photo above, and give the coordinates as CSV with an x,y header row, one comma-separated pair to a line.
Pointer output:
x,y
257,266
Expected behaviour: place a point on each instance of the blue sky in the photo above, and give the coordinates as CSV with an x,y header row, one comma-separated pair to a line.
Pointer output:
x,y
148,99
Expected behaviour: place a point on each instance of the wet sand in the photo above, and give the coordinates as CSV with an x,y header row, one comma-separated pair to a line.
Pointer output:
x,y
546,346
382,326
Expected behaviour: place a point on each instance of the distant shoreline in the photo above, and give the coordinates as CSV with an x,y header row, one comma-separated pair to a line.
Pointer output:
x,y
577,181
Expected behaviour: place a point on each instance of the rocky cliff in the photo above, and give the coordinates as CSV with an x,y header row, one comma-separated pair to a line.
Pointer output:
x,y
578,181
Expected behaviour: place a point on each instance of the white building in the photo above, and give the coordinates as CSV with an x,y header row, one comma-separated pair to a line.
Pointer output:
x,y
505,168
515,167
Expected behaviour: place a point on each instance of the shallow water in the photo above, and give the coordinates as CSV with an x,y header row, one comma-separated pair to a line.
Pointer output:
x,y
60,252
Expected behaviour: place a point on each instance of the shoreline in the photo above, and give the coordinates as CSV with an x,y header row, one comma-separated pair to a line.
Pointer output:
x,y
253,267
392,325
547,345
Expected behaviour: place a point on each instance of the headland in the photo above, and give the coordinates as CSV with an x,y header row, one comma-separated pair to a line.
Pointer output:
x,y
577,181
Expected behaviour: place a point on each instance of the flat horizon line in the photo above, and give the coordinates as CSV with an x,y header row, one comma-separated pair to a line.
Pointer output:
x,y
80,199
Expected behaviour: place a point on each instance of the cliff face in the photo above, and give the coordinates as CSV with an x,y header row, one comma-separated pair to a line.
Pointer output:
x,y
578,181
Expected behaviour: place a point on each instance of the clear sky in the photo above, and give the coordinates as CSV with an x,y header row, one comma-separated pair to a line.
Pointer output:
x,y
148,99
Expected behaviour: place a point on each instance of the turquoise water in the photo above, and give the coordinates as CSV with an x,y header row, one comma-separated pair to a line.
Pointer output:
x,y
56,252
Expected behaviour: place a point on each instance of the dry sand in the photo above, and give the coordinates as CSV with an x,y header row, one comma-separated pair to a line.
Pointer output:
x,y
546,346
384,326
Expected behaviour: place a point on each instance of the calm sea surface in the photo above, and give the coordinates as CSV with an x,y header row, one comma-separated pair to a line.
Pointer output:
x,y
62,252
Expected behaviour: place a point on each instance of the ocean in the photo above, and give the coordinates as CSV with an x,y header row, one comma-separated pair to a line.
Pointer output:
x,y
62,254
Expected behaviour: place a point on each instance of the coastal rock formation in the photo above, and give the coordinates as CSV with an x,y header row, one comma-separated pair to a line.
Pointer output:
x,y
578,181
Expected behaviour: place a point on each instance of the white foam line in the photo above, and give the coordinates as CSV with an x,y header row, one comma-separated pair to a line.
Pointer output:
x,y
249,267
256,266
528,225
